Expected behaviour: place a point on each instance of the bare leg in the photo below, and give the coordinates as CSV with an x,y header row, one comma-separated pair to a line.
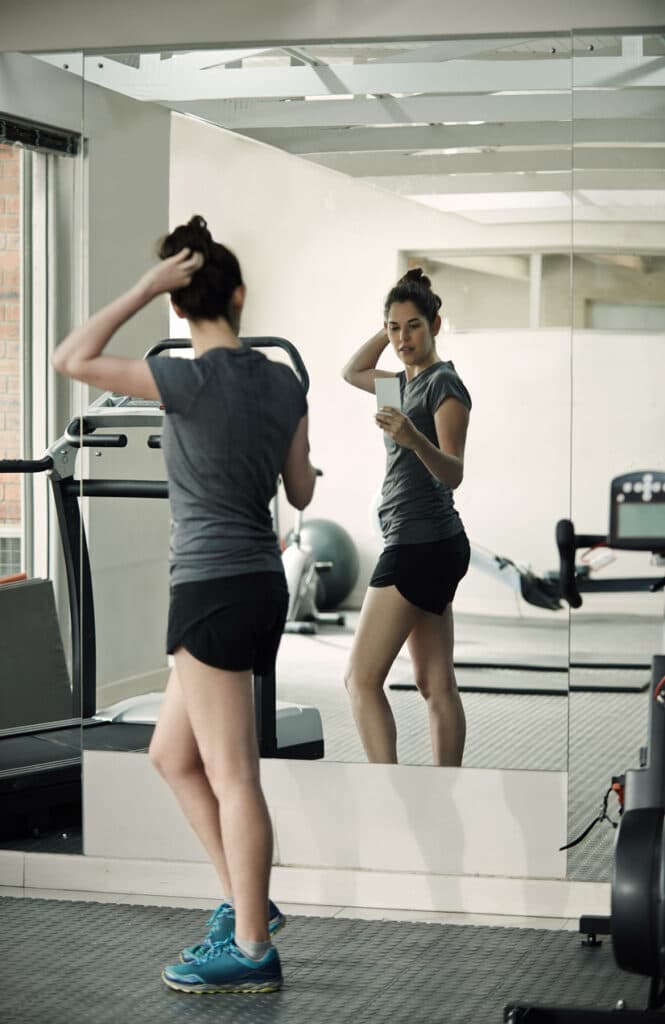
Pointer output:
x,y
386,619
221,712
431,648
175,754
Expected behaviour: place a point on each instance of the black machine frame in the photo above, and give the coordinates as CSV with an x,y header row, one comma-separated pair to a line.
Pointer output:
x,y
637,920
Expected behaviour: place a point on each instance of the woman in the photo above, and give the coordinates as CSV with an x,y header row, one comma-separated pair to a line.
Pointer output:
x,y
426,551
234,421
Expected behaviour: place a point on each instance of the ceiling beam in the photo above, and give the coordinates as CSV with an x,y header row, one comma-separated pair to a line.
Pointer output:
x,y
307,141
360,165
165,80
454,49
559,181
243,114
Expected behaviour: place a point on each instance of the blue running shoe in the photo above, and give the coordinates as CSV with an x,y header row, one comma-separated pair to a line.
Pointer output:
x,y
221,923
225,968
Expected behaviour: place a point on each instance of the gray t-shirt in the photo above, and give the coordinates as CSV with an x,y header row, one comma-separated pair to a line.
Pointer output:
x,y
230,418
415,507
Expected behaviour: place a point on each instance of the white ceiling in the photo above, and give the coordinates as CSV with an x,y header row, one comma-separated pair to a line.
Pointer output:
x,y
494,130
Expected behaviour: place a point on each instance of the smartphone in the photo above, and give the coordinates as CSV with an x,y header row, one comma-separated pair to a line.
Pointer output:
x,y
387,392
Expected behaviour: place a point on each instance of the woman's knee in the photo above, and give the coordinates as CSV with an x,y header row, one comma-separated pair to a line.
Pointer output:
x,y
229,777
170,761
362,682
437,688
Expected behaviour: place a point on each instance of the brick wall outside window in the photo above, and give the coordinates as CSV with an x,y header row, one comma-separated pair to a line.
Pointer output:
x,y
10,328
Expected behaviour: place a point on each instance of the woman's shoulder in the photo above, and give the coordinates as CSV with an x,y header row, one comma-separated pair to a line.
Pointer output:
x,y
445,381
446,368
445,372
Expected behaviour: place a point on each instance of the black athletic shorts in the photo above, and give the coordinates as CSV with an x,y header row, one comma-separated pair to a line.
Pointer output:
x,y
425,574
234,622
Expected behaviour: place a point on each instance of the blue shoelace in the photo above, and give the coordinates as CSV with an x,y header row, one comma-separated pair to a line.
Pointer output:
x,y
223,910
214,949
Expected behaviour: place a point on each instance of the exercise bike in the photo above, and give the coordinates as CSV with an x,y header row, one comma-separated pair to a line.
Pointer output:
x,y
302,571
637,921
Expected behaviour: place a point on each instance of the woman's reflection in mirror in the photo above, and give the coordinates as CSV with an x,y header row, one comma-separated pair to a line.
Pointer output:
x,y
426,551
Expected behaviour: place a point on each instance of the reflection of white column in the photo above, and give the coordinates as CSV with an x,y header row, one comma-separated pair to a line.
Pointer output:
x,y
535,287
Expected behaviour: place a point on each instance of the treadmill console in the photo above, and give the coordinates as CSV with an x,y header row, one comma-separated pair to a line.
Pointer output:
x,y
637,511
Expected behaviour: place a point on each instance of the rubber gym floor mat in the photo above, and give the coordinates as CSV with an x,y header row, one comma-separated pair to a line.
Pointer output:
x,y
93,963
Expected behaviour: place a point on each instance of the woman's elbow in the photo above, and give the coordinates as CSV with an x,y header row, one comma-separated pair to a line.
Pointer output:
x,y
58,362
457,476
63,364
299,499
301,492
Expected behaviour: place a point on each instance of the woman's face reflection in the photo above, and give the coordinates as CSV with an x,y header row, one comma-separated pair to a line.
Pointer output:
x,y
409,333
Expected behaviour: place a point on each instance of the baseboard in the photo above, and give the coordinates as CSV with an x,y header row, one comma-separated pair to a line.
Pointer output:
x,y
555,898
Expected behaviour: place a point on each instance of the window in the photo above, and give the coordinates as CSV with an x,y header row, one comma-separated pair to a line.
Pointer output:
x,y
39,185
11,503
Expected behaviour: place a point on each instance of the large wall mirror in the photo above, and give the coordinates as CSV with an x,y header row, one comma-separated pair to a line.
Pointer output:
x,y
330,169
523,175
618,423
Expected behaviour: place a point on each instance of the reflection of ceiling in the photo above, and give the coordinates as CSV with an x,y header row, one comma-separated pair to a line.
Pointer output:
x,y
480,127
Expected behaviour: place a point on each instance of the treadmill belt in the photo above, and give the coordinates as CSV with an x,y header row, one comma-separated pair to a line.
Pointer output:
x,y
117,736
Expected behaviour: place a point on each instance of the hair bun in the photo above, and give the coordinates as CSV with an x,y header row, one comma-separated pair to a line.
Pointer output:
x,y
208,295
193,235
196,235
415,286
417,274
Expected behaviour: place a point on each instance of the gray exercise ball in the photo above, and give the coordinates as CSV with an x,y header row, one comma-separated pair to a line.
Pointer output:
x,y
330,542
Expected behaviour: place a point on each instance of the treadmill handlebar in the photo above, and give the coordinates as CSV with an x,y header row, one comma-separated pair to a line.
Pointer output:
x,y
167,343
81,434
116,488
286,346
96,440
26,465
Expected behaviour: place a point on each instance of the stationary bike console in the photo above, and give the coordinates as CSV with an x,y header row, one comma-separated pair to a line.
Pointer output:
x,y
637,512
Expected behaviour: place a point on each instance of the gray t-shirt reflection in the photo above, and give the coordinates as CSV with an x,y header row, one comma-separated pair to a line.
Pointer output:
x,y
415,507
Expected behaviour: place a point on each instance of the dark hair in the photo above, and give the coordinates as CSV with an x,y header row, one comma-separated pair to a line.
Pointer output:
x,y
208,295
415,287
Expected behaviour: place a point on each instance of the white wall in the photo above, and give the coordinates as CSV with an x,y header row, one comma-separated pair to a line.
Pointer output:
x,y
128,175
68,24
618,418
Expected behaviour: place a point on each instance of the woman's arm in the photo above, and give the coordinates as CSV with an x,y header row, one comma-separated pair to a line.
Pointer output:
x,y
446,462
298,473
80,355
360,370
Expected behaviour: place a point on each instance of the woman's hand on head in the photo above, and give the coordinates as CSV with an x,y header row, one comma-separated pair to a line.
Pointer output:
x,y
172,273
398,426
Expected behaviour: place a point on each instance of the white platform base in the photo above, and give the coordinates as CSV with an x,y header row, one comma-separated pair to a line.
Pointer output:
x,y
537,898
421,839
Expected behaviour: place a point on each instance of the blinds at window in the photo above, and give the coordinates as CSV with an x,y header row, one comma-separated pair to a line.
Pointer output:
x,y
45,138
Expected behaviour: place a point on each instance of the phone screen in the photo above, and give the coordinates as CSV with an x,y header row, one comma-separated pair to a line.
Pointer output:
x,y
387,392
